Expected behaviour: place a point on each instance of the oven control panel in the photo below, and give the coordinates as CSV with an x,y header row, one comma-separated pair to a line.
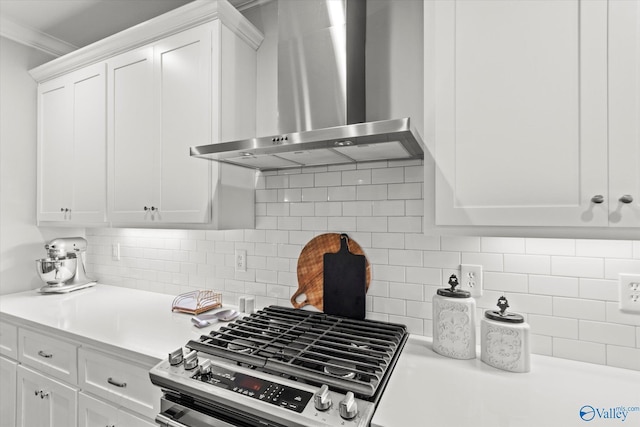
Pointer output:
x,y
257,388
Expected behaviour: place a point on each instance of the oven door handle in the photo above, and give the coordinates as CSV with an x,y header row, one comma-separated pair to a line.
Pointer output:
x,y
165,421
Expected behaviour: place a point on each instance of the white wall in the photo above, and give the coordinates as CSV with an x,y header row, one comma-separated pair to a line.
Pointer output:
x,y
21,242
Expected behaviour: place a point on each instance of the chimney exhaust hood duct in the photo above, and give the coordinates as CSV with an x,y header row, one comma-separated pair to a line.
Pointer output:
x,y
321,96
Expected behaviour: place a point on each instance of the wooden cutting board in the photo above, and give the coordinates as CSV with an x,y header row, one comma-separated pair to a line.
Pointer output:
x,y
311,269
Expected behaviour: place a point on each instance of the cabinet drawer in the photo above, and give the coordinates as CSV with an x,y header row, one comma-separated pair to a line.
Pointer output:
x,y
50,355
8,340
94,412
123,382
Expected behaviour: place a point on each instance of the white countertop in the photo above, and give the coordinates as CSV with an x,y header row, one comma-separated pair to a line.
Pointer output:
x,y
427,389
129,320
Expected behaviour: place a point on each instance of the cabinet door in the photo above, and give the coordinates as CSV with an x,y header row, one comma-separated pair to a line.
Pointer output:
x,y
88,175
132,137
624,113
55,150
521,120
96,413
44,402
183,66
8,388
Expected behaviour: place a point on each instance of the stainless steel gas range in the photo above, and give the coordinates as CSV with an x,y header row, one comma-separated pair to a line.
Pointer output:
x,y
280,367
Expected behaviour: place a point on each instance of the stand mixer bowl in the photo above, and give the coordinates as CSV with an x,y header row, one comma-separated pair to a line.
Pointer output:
x,y
56,271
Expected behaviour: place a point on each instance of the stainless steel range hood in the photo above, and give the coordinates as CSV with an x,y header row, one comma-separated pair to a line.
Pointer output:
x,y
321,96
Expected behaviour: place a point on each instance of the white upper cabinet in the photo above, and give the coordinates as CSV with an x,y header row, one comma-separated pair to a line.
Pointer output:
x,y
133,171
71,147
164,91
624,113
526,114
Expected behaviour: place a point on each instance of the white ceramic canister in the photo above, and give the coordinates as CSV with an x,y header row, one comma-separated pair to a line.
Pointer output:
x,y
454,322
505,339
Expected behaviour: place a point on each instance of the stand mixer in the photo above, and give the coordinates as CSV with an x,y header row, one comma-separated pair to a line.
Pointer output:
x,y
63,269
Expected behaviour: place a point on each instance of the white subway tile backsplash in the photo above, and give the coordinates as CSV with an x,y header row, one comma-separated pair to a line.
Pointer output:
x,y
388,208
341,193
577,267
505,282
565,288
604,248
408,258
314,194
623,357
607,333
489,262
614,315
411,190
371,192
356,177
405,224
614,267
460,243
580,350
599,289
387,175
554,285
579,308
550,246
554,326
388,240
532,264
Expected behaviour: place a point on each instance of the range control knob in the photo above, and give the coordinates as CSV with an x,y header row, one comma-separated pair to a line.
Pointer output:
x,y
322,400
176,357
205,368
348,407
191,360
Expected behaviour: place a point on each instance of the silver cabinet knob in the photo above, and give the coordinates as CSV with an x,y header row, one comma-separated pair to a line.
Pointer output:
x,y
627,198
322,400
348,407
597,199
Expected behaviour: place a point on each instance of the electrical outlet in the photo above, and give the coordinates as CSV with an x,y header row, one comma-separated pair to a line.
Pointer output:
x,y
630,292
471,279
115,251
241,260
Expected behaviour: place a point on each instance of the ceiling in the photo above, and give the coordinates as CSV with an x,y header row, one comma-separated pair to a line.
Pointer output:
x,y
61,26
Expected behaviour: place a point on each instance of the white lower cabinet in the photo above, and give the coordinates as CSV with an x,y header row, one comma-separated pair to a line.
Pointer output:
x,y
44,401
50,381
117,380
8,398
93,412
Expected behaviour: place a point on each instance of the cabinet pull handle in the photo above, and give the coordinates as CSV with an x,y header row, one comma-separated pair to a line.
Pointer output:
x,y
627,198
41,393
116,383
597,199
45,355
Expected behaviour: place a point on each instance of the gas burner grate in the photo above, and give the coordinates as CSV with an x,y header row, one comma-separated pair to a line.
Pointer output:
x,y
355,355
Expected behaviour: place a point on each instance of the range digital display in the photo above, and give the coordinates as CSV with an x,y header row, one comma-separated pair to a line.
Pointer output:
x,y
256,388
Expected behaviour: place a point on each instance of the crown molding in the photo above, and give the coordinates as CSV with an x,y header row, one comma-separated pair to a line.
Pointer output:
x,y
180,19
33,38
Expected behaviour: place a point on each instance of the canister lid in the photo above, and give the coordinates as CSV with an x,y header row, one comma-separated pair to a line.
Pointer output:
x,y
502,315
453,292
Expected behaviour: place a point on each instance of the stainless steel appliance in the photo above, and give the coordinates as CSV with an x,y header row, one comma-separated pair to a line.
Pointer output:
x,y
321,97
280,367
63,269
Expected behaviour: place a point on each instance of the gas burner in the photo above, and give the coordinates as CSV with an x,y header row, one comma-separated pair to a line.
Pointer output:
x,y
240,346
340,368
